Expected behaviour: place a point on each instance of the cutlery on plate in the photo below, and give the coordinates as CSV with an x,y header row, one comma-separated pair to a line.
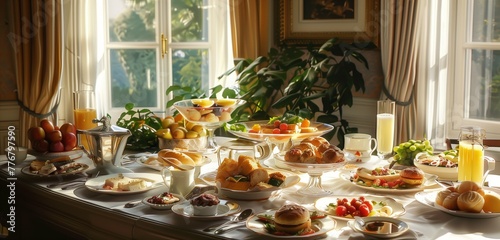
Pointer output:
x,y
236,219
230,228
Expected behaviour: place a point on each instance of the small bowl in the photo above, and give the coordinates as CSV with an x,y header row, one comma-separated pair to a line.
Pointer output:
x,y
379,227
205,210
20,154
189,144
443,173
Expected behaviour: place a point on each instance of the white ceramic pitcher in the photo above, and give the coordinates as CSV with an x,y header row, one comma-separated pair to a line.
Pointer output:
x,y
181,181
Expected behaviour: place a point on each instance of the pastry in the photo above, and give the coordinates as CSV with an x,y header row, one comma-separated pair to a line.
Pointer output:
x,y
470,201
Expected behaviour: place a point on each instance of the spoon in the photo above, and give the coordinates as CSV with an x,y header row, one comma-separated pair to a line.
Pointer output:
x,y
174,164
241,217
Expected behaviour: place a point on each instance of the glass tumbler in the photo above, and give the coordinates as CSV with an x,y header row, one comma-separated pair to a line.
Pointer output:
x,y
386,110
84,112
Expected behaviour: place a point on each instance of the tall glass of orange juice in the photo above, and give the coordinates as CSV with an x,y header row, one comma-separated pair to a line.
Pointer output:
x,y
84,112
471,155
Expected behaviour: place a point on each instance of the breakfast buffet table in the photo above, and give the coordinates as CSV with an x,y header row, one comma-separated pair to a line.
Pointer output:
x,y
79,213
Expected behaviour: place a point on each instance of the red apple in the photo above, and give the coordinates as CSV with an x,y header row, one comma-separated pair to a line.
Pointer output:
x,y
36,134
41,145
69,141
54,136
68,128
56,147
47,125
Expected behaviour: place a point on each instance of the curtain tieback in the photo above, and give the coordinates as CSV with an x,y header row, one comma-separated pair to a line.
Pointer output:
x,y
392,98
38,115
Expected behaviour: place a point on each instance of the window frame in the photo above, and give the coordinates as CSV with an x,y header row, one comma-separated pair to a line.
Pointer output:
x,y
460,69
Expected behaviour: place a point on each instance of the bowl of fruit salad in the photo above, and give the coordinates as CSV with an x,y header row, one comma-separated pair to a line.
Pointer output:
x,y
444,165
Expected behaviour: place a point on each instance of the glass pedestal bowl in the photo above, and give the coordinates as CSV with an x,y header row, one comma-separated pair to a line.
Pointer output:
x,y
315,171
281,141
211,113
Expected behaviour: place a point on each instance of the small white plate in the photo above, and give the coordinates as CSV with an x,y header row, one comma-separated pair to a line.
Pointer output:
x,y
428,198
321,226
186,209
163,206
397,227
429,180
397,208
96,184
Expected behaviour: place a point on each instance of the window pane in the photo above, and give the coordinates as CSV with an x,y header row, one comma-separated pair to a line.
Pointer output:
x,y
190,68
133,77
485,16
484,88
131,20
189,21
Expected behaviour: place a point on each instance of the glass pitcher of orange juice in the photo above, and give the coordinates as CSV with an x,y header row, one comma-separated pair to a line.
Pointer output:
x,y
471,155
84,112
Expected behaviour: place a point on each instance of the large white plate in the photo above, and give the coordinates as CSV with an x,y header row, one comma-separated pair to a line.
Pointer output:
x,y
428,199
291,179
186,209
26,170
397,208
321,226
96,184
429,180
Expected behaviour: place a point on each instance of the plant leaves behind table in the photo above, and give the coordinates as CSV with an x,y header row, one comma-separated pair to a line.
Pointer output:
x,y
143,124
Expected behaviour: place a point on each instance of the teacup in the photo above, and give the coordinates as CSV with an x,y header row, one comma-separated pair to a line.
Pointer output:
x,y
361,145
19,154
181,181
258,150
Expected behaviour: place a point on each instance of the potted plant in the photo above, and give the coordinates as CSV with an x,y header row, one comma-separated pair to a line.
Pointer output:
x,y
314,83
143,124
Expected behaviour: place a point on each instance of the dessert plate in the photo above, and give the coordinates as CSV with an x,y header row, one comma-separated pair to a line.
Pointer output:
x,y
321,226
429,180
186,209
163,206
152,181
428,199
83,167
377,202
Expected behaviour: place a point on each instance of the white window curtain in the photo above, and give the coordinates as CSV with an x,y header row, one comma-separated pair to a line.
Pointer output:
x,y
436,58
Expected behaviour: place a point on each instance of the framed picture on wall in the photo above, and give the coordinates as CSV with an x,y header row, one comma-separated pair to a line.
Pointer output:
x,y
314,21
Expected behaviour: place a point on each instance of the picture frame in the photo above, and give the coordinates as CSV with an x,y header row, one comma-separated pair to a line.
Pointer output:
x,y
295,29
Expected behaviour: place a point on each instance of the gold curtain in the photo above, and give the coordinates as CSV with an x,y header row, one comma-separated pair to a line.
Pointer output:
x,y
399,50
250,22
36,39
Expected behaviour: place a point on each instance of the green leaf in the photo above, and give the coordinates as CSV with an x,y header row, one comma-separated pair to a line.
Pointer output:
x,y
129,106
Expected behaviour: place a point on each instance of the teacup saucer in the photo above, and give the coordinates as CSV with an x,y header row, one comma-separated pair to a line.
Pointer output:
x,y
186,209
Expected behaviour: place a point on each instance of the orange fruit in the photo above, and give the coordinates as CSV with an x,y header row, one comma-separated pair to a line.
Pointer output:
x,y
491,202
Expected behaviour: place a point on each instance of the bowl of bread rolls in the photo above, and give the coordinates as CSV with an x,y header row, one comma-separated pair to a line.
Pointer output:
x,y
246,179
179,156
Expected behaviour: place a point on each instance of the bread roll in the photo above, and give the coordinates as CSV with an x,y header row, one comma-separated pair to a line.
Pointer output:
x,y
258,175
183,158
466,186
450,202
441,196
246,165
470,201
293,155
308,156
196,156
316,141
332,156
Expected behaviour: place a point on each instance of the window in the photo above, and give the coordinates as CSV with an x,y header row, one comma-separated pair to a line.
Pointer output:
x,y
149,45
476,95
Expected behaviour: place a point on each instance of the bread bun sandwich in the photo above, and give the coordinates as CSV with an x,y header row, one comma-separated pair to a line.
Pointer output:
x,y
292,218
412,176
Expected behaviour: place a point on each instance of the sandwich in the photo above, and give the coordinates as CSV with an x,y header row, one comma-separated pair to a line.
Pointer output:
x,y
292,219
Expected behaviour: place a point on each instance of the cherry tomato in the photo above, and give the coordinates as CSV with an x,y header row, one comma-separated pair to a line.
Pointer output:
x,y
356,213
341,211
276,131
277,123
364,210
283,127
351,209
368,204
